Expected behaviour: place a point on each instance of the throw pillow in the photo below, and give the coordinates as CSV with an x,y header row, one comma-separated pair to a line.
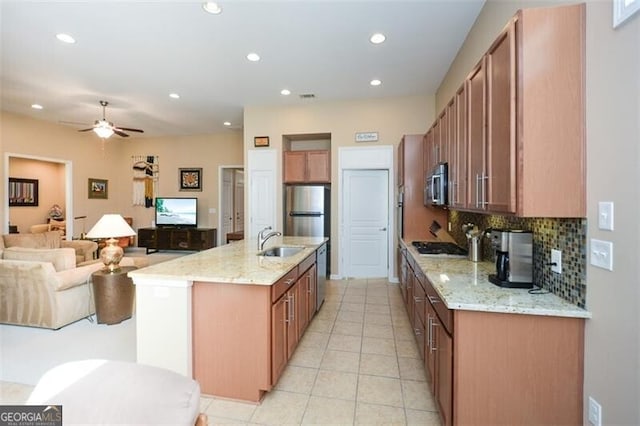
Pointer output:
x,y
62,259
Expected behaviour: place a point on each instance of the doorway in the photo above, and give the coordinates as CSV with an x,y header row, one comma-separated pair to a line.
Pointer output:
x,y
365,240
44,204
231,202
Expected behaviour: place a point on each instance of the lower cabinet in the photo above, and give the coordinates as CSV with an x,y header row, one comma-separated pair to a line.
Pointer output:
x,y
244,335
496,368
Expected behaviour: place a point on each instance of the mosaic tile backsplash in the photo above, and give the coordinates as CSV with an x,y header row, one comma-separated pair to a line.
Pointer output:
x,y
567,235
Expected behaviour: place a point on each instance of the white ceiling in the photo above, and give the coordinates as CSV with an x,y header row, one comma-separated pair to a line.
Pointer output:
x,y
134,53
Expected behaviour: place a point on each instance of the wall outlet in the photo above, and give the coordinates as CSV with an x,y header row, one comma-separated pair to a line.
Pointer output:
x,y
595,412
556,257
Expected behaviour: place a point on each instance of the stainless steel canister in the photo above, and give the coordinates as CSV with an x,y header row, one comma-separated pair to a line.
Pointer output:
x,y
474,248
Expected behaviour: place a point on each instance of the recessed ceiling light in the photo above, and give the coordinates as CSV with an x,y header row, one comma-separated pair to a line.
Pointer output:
x,y
212,7
253,57
227,123
285,92
37,106
377,38
375,82
174,95
65,38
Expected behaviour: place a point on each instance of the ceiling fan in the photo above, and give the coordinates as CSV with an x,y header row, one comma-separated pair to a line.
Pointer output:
x,y
105,129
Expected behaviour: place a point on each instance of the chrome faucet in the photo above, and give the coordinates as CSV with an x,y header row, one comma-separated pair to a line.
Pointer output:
x,y
263,238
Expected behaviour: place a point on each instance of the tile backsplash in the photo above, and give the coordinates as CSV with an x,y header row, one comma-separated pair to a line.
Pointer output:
x,y
567,235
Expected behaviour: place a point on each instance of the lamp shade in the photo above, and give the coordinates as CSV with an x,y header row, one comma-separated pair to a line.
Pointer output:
x,y
111,226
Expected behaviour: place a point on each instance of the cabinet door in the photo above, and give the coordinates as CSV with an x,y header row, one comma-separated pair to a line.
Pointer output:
x,y
403,274
313,289
419,316
501,126
279,316
292,319
476,102
400,176
444,380
429,353
429,160
302,304
147,238
452,150
294,166
462,145
409,301
318,166
437,139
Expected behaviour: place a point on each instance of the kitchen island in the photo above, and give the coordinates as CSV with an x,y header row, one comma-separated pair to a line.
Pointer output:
x,y
493,355
224,316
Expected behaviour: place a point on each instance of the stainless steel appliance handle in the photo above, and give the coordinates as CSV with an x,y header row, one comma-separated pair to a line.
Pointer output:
x,y
434,198
298,213
484,189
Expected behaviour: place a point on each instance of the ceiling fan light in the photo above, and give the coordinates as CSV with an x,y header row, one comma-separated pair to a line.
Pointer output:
x,y
103,129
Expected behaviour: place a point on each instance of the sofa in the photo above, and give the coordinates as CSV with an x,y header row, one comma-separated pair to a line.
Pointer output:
x,y
46,287
85,249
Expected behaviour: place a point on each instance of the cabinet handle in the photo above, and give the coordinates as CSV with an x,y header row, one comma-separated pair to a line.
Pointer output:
x,y
286,302
433,300
289,281
433,348
417,299
429,321
477,190
484,189
292,307
417,331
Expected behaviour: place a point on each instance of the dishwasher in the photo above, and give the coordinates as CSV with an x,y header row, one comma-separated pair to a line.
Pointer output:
x,y
321,275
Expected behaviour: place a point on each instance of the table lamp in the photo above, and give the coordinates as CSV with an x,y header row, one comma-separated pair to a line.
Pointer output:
x,y
111,226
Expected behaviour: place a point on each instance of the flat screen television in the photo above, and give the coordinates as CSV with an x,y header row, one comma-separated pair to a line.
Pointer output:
x,y
180,212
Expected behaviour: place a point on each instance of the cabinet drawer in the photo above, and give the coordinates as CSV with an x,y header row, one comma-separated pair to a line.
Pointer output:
x,y
445,315
283,284
307,263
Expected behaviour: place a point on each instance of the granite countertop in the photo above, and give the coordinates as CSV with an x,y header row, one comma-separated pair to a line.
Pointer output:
x,y
236,263
464,285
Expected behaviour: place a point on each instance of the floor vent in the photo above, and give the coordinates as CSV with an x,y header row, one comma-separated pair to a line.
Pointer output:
x,y
307,96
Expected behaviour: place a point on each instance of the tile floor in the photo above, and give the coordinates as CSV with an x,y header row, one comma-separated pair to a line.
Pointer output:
x,y
357,363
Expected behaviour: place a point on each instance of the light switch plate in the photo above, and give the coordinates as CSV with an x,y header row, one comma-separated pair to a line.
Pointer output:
x,y
605,215
595,412
602,254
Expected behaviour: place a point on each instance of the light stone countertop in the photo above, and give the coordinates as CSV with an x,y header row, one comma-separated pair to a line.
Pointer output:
x,y
236,263
464,285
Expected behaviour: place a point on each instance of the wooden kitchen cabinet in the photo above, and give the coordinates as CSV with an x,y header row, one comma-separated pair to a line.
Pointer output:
x,y
525,118
244,335
459,147
307,166
498,368
415,216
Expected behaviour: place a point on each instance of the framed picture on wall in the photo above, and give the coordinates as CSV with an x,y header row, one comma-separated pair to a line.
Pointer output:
x,y
190,179
261,141
23,192
98,188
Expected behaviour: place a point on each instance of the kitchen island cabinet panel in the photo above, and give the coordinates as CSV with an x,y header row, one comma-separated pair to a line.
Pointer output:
x,y
517,369
232,339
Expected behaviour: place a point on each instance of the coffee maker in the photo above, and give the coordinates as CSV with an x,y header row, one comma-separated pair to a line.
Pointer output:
x,y
514,258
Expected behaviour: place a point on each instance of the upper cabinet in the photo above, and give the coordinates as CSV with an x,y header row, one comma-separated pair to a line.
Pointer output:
x,y
520,114
307,166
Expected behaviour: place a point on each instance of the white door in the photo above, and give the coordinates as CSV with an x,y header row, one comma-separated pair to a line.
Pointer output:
x,y
238,200
227,203
261,175
366,222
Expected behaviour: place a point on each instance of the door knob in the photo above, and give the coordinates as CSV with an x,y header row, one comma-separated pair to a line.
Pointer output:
x,y
383,229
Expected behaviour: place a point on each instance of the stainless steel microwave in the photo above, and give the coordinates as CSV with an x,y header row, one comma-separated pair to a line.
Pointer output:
x,y
435,189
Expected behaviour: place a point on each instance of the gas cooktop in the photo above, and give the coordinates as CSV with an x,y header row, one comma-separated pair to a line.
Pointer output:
x,y
439,248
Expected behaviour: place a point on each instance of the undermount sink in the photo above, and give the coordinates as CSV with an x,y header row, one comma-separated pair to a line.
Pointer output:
x,y
281,251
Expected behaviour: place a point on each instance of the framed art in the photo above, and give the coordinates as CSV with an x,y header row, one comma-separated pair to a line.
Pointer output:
x,y
191,179
98,188
624,9
261,141
23,192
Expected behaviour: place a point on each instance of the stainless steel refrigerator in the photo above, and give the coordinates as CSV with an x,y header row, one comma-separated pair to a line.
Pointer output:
x,y
307,211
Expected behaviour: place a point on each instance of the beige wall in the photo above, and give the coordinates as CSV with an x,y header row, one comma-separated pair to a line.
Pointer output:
x,y
204,151
90,158
612,347
390,117
51,177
